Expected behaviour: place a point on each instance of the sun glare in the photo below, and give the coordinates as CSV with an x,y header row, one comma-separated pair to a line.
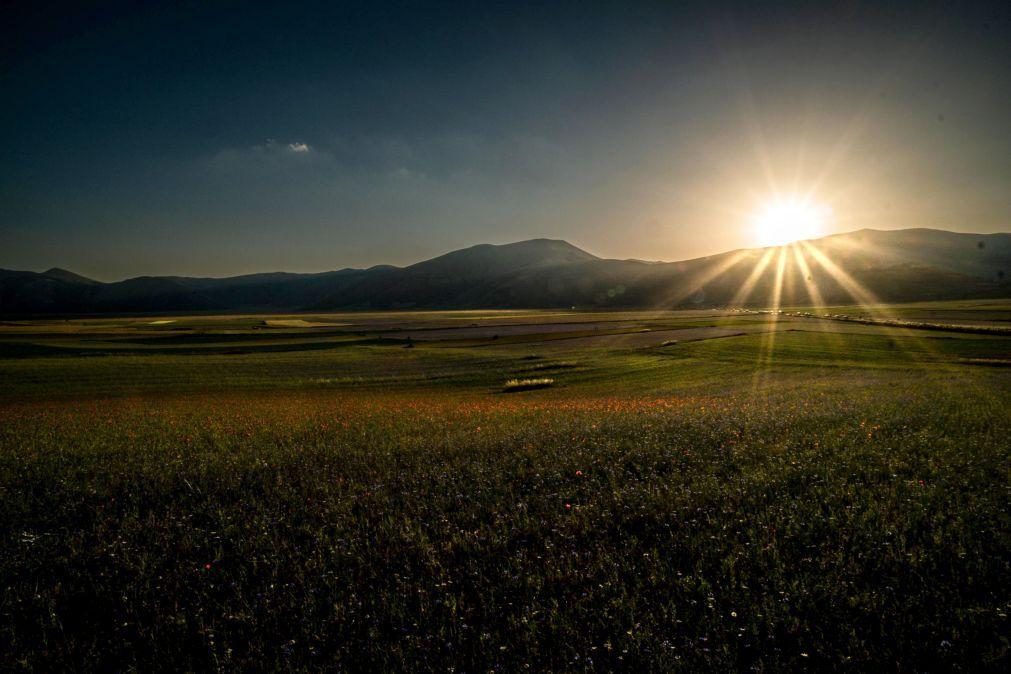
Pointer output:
x,y
787,220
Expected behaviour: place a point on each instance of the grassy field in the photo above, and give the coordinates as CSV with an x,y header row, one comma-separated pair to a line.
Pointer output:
x,y
692,491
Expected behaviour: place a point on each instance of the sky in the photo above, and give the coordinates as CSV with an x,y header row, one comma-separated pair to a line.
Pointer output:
x,y
210,138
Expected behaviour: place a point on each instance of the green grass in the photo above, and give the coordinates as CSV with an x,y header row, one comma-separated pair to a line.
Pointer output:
x,y
809,502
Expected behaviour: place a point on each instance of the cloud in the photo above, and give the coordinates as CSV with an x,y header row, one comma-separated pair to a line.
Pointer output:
x,y
269,156
272,146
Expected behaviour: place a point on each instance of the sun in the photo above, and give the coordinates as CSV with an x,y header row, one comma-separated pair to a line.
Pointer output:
x,y
787,220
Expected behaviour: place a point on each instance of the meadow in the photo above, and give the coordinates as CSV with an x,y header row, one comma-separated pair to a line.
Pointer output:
x,y
681,491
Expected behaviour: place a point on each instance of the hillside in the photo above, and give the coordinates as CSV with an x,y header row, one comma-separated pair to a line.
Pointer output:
x,y
899,265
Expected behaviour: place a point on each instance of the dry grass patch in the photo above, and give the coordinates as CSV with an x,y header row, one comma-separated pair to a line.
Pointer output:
x,y
514,385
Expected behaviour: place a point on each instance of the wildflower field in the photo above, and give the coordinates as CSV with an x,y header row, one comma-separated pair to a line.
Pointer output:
x,y
211,494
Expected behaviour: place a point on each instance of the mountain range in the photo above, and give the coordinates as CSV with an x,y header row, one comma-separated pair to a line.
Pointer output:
x,y
857,267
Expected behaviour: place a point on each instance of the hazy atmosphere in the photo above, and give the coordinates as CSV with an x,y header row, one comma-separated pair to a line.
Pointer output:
x,y
218,138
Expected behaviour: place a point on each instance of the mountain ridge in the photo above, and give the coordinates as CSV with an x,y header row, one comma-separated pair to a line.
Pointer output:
x,y
891,265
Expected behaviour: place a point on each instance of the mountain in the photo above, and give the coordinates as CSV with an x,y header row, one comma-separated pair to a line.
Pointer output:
x,y
981,255
484,259
863,266
68,276
457,279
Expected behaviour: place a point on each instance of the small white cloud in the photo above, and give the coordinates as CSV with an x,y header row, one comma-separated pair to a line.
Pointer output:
x,y
269,156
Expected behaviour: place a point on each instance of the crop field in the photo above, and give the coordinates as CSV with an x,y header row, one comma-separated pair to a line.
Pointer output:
x,y
507,491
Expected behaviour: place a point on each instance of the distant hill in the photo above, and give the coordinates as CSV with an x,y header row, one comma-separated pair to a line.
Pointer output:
x,y
898,265
68,276
485,259
982,255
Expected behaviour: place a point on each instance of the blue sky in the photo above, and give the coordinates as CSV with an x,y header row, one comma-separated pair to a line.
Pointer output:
x,y
216,138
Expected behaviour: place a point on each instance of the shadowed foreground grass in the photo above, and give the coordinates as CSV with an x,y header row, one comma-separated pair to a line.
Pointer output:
x,y
848,522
